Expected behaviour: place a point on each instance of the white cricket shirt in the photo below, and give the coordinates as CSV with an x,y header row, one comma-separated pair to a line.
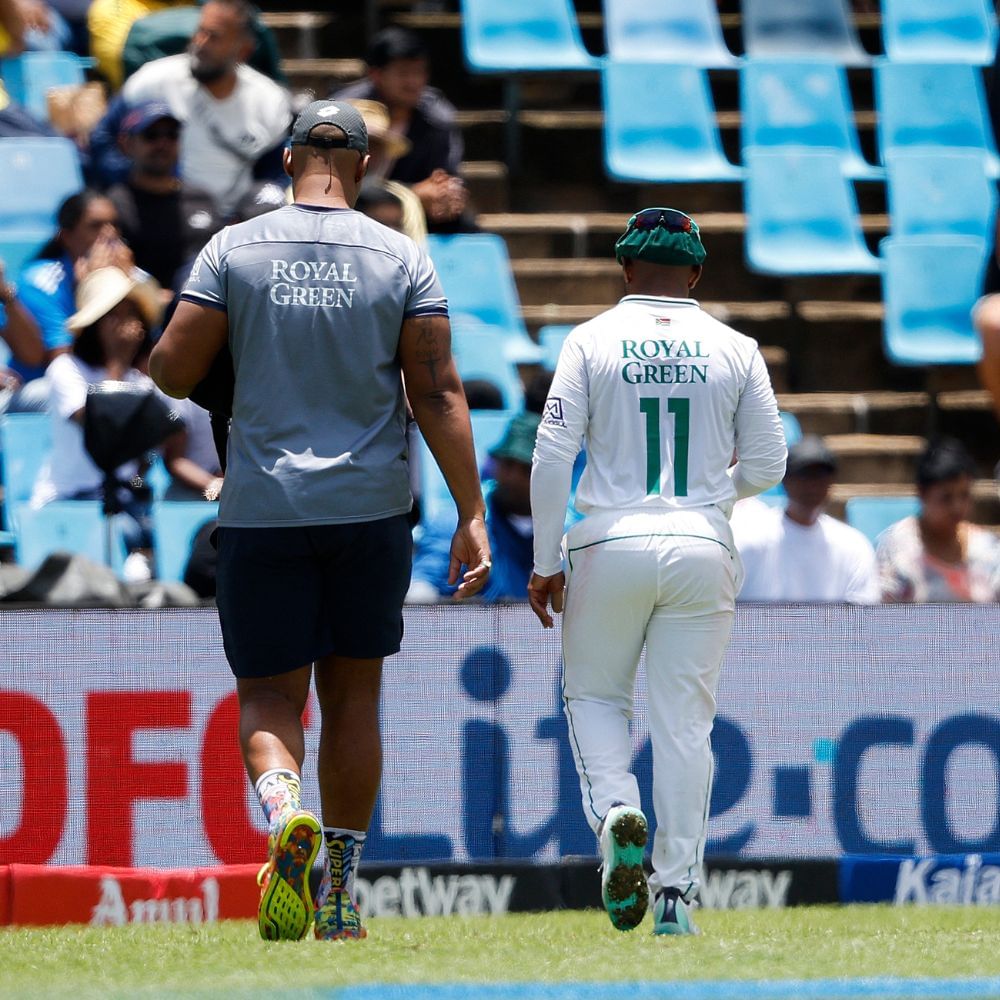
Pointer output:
x,y
787,561
221,139
661,395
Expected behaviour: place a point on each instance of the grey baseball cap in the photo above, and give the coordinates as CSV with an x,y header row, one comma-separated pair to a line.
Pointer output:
x,y
810,452
343,115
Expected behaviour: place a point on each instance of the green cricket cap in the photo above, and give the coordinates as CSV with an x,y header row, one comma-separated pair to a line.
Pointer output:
x,y
518,442
661,236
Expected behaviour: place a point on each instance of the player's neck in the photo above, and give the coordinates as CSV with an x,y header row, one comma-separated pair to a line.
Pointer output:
x,y
805,516
320,191
659,290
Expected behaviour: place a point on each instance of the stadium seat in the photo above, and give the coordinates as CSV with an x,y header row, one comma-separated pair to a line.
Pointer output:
x,y
801,103
64,525
29,77
18,246
480,353
175,523
872,515
475,271
435,500
933,105
935,193
551,339
43,171
659,125
680,31
522,36
943,31
797,29
25,442
802,215
930,285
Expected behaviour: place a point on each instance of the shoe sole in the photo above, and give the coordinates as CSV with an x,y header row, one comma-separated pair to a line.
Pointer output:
x,y
286,906
626,894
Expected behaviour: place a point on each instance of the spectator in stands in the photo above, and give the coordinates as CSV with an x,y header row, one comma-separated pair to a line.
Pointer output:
x,y
20,333
389,202
114,316
801,553
16,122
235,119
986,317
30,26
190,456
508,524
398,75
109,22
166,221
87,238
939,555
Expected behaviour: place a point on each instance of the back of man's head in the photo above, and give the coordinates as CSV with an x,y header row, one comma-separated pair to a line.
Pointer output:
x,y
394,43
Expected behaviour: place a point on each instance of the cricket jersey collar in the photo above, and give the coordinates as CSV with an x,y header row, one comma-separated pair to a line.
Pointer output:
x,y
658,300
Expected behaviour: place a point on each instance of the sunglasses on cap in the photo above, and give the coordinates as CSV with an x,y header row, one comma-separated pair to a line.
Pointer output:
x,y
662,218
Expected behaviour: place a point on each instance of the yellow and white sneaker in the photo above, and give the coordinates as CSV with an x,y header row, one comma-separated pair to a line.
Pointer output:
x,y
286,905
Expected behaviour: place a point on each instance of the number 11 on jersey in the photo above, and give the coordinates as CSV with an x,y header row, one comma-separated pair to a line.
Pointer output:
x,y
680,408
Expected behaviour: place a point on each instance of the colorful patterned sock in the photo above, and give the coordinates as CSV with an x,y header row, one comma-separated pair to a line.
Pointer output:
x,y
280,793
343,851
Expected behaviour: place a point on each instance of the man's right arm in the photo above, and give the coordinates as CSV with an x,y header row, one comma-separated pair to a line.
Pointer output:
x,y
760,439
437,399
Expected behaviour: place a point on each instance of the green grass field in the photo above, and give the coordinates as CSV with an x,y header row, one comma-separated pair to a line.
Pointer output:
x,y
229,959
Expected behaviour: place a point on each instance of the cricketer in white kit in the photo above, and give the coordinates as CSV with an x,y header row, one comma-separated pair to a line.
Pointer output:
x,y
662,396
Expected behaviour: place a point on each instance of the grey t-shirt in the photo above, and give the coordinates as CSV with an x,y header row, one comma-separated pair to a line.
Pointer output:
x,y
316,298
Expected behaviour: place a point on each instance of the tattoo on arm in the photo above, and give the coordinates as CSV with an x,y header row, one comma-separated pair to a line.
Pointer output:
x,y
429,348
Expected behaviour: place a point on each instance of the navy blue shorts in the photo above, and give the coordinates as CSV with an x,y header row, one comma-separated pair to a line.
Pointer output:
x,y
289,596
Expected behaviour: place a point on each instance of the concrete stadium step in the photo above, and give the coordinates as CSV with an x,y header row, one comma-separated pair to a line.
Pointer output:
x,y
320,76
985,497
297,32
876,458
579,232
488,184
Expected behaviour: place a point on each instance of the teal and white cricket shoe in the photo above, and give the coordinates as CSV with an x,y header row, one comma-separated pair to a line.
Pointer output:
x,y
672,914
623,879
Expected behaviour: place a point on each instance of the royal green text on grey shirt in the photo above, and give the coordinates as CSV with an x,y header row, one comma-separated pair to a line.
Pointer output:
x,y
316,299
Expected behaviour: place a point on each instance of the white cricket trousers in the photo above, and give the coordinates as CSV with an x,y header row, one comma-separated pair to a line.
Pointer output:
x,y
669,580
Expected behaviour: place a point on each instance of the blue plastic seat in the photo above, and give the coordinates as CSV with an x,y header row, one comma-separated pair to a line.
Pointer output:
x,y
933,105
18,246
75,526
797,29
25,442
522,35
551,340
935,193
175,523
939,31
802,215
872,515
801,103
659,125
43,172
480,353
436,503
477,278
29,77
679,31
930,285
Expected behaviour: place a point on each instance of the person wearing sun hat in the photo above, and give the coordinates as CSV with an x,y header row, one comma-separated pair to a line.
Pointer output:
x,y
385,146
114,315
661,396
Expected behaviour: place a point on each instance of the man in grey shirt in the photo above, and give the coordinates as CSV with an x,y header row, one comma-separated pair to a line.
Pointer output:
x,y
326,313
